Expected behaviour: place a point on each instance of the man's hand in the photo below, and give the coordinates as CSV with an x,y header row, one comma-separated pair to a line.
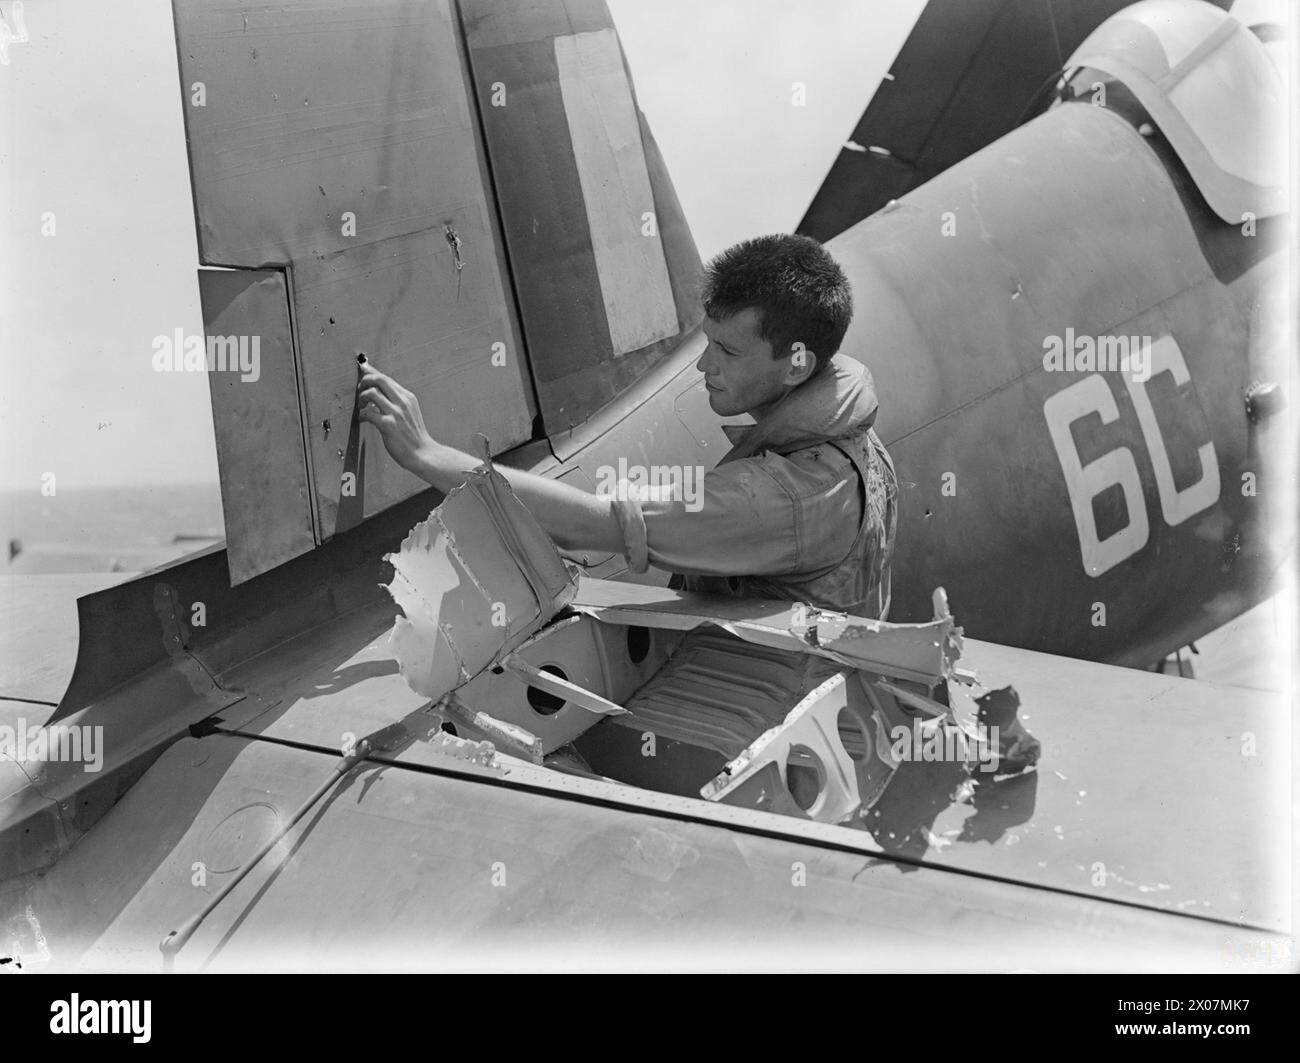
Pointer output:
x,y
396,413
573,518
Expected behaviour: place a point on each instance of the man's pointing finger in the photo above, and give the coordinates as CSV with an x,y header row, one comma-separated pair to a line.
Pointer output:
x,y
373,378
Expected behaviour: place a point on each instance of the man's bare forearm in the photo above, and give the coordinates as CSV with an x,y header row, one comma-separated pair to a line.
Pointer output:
x,y
575,519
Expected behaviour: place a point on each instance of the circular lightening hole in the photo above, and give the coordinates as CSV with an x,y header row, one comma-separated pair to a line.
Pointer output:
x,y
853,734
543,702
804,776
638,643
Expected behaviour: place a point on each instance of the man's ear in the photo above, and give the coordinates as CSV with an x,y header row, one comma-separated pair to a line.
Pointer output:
x,y
803,363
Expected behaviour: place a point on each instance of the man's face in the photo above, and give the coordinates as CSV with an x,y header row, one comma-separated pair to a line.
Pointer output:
x,y
739,371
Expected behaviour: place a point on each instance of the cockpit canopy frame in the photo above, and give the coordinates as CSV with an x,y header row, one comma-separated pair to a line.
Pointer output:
x,y
1211,88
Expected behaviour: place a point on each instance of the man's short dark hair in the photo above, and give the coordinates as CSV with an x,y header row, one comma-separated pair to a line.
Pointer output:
x,y
800,292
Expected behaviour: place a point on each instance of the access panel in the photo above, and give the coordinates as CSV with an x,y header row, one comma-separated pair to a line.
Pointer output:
x,y
265,493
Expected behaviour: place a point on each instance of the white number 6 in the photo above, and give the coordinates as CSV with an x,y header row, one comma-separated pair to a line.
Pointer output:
x,y
1091,395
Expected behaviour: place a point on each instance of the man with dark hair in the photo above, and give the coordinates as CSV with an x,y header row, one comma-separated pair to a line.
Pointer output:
x,y
802,508
800,291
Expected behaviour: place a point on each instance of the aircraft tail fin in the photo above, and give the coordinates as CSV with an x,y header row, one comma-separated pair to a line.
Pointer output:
x,y
464,192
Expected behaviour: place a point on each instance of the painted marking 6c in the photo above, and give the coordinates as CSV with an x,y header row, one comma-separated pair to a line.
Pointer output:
x,y
1090,396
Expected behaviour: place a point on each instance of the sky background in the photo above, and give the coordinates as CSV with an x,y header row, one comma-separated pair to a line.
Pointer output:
x,y
91,130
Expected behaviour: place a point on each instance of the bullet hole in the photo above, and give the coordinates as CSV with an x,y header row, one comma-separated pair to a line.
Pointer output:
x,y
326,426
454,242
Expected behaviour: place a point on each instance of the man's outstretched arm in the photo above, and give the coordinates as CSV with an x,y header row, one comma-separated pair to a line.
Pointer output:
x,y
575,519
